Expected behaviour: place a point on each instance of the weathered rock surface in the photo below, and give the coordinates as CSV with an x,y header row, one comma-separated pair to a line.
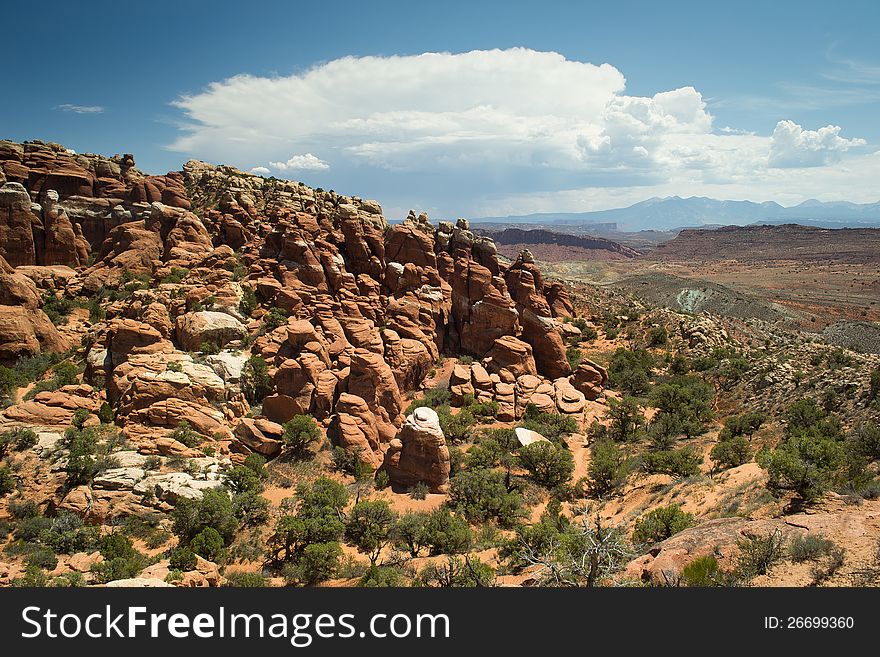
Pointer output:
x,y
419,452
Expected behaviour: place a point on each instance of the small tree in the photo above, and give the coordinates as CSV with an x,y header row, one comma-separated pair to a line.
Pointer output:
x,y
209,545
300,433
255,381
805,464
607,470
684,462
446,533
316,563
582,554
874,384
215,510
409,533
731,453
369,527
482,494
627,418
318,519
457,572
8,481
548,465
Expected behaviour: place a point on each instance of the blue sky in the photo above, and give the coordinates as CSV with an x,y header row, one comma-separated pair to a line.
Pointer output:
x,y
732,100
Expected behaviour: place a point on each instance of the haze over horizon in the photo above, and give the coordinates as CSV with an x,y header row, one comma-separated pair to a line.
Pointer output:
x,y
490,110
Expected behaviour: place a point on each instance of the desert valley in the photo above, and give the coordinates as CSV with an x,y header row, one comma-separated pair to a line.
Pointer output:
x,y
212,377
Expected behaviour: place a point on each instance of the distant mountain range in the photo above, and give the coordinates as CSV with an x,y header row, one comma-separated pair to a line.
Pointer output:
x,y
675,212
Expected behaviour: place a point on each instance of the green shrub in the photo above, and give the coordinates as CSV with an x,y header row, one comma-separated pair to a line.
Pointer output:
x,y
67,534
627,419
742,425
445,533
106,414
381,480
658,336
8,482
79,418
369,527
42,557
23,509
702,572
317,563
456,572
660,524
257,463
874,384
806,464
548,465
318,519
244,579
84,462
553,426
864,440
688,398
409,532
214,509
176,276
684,462
18,439
249,302
458,427
255,381
731,453
242,479
419,491
34,577
809,547
250,508
57,309
182,558
184,434
381,577
607,470
209,347
758,553
630,370
351,462
300,433
482,494
274,318
209,545
574,356
121,559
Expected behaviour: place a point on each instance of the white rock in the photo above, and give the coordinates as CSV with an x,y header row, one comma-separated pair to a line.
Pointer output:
x,y
119,478
139,583
175,485
527,436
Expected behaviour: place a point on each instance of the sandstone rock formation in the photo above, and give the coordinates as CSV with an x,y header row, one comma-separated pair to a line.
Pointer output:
x,y
25,329
419,452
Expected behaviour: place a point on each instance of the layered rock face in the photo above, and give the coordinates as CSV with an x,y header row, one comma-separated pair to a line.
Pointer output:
x,y
25,329
348,312
56,206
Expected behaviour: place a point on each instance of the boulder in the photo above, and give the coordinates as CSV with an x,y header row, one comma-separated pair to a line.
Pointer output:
x,y
527,436
419,452
196,328
511,354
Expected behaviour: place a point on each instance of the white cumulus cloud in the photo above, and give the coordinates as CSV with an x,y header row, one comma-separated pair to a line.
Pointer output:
x,y
466,132
307,162
791,146
261,171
